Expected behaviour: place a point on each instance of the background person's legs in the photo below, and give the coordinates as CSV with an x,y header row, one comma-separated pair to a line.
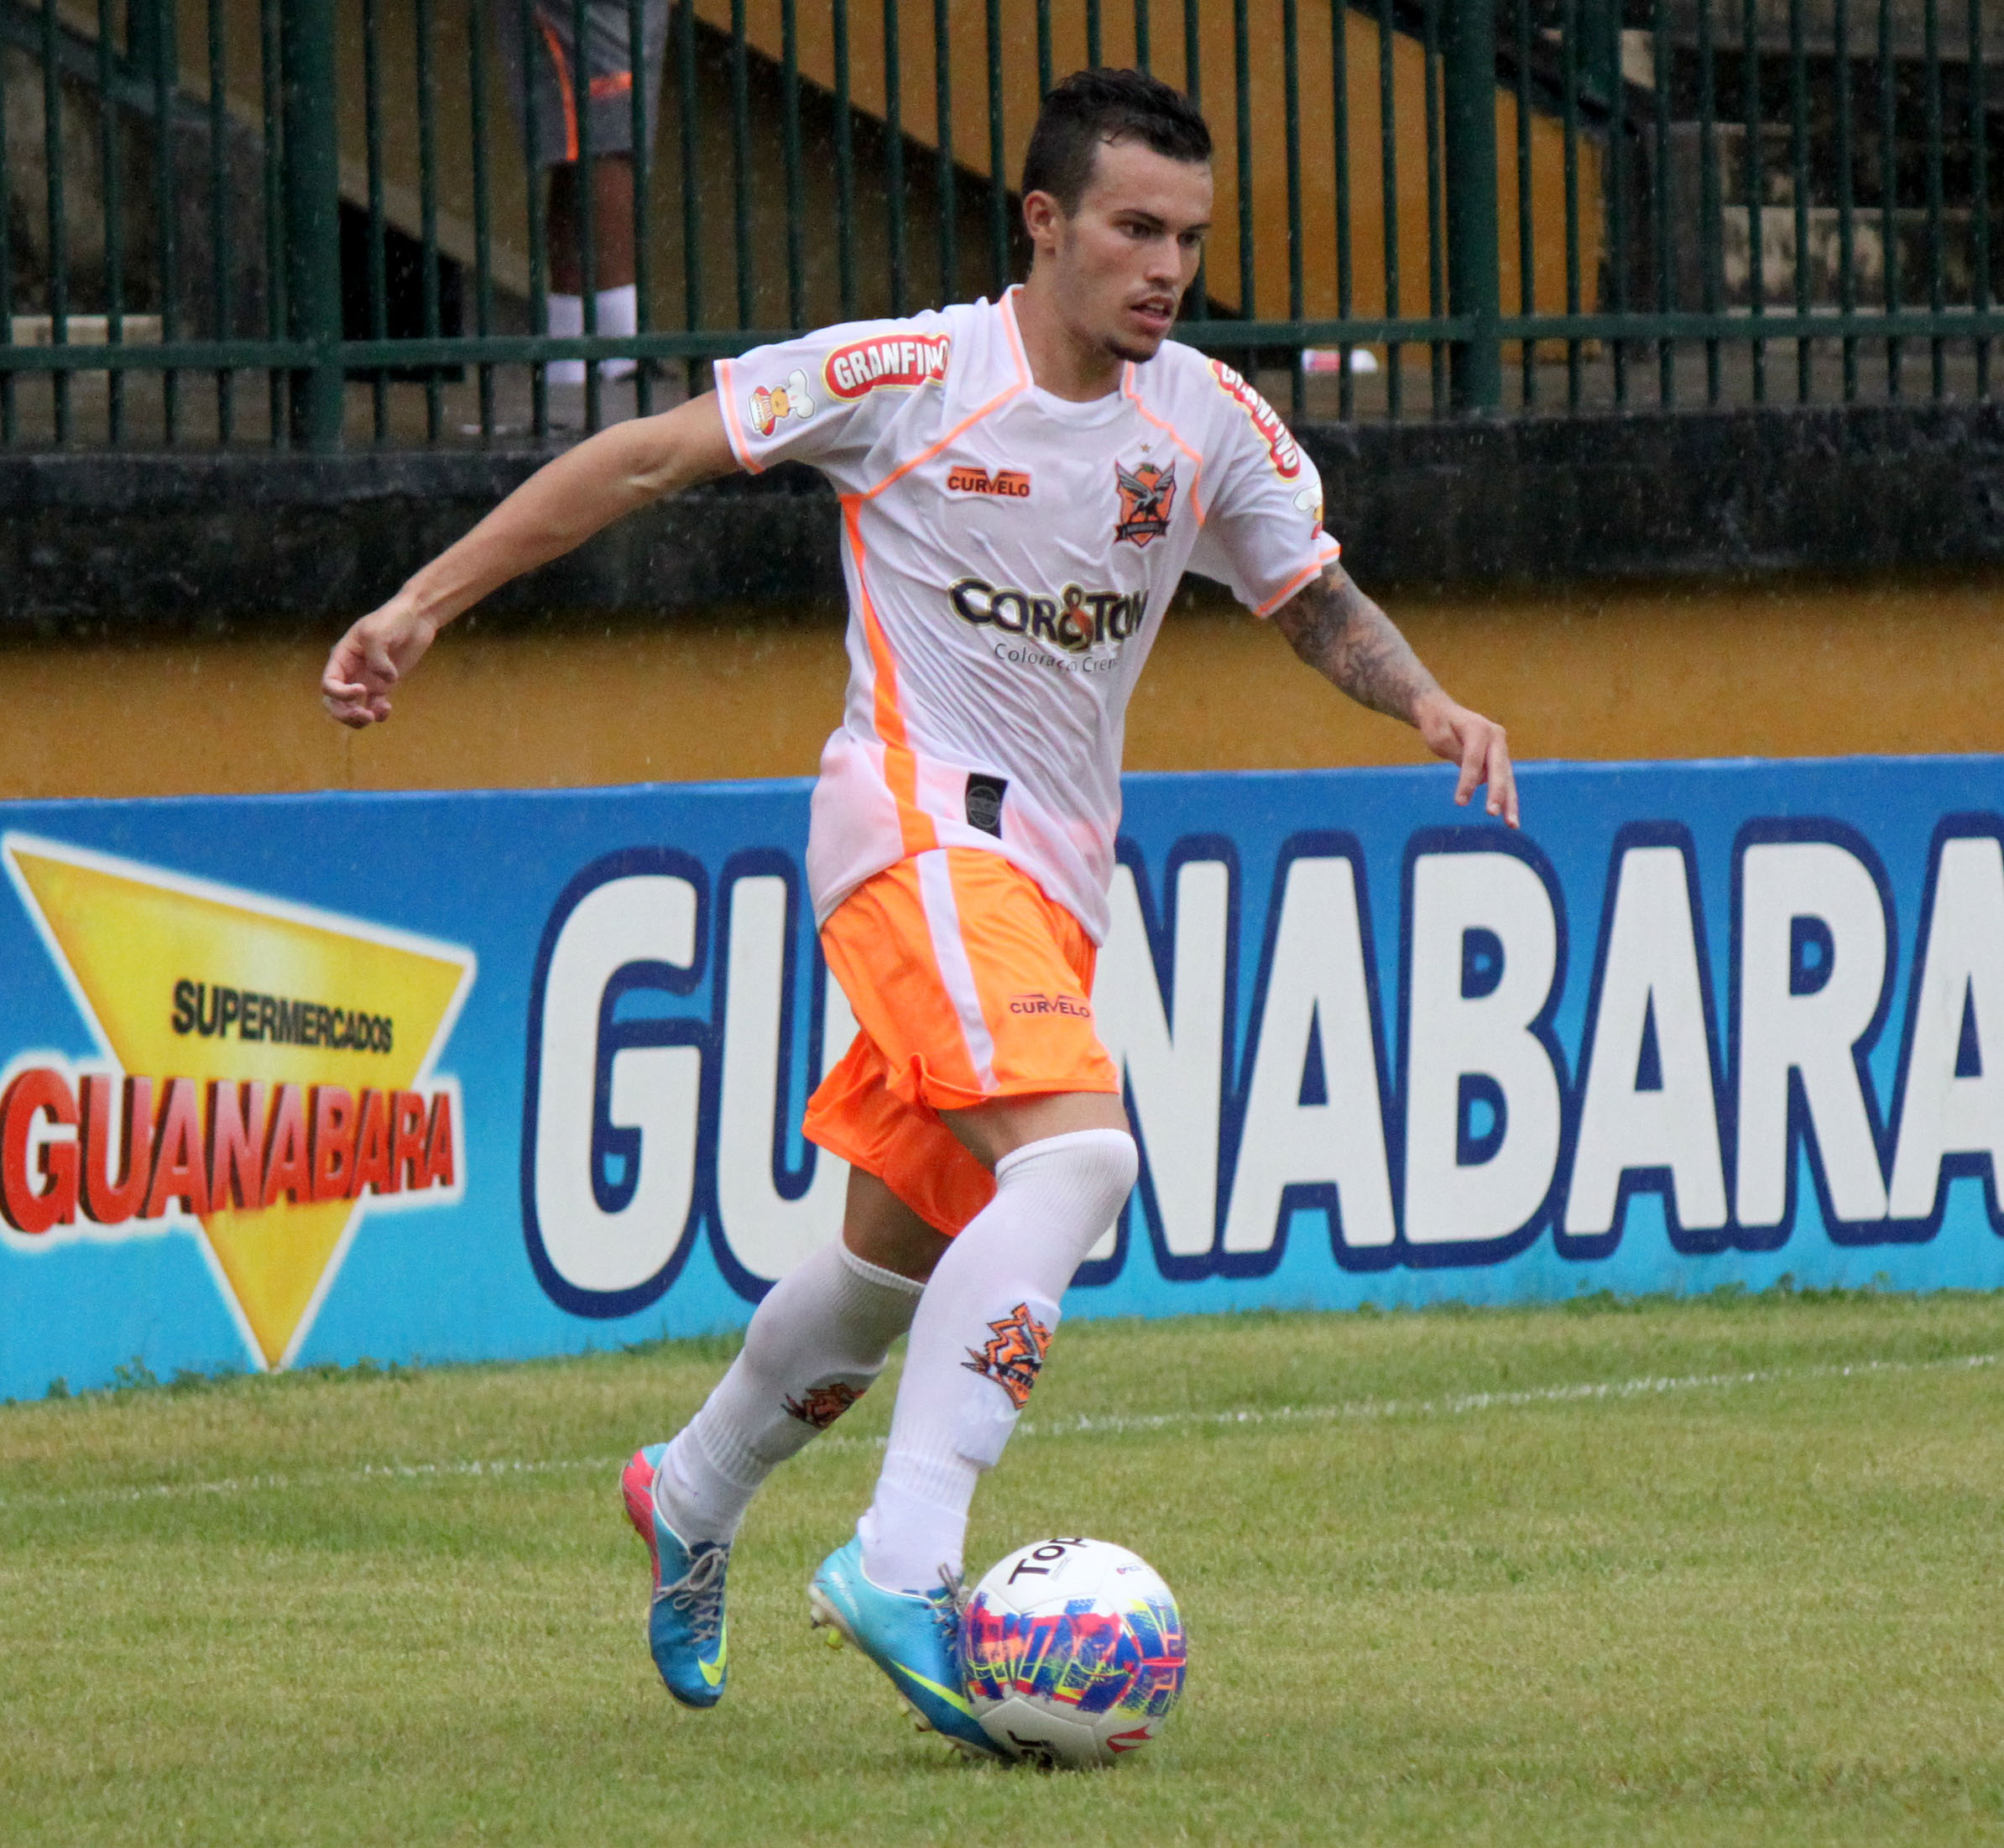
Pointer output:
x,y
538,40
612,227
612,267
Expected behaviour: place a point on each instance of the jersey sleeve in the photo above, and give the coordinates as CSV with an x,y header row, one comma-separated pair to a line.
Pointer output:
x,y
1262,531
829,397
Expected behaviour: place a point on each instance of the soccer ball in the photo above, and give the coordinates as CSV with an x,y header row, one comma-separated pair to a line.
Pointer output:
x,y
1073,1652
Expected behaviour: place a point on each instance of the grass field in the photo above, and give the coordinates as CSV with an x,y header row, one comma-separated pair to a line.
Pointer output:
x,y
1710,1573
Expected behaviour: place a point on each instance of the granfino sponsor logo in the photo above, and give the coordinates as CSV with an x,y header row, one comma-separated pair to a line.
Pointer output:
x,y
1281,449
893,363
1074,621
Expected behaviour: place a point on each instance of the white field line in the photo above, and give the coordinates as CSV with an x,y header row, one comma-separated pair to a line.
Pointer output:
x,y
1455,1405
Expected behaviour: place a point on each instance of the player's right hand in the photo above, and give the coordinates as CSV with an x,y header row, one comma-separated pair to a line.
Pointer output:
x,y
370,659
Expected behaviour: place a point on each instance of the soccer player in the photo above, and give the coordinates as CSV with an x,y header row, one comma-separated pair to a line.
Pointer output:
x,y
1023,484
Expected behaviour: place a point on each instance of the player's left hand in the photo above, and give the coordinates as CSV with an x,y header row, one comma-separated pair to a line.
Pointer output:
x,y
1477,744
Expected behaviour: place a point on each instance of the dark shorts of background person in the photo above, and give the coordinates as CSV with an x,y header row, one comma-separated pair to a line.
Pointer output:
x,y
606,125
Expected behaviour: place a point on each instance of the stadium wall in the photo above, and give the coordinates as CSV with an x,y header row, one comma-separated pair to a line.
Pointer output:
x,y
101,542
298,1080
1795,666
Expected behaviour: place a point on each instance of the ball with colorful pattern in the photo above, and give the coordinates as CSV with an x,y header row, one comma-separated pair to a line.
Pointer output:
x,y
1073,1652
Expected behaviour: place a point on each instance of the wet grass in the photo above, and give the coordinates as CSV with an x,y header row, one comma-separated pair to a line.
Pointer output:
x,y
1707,1572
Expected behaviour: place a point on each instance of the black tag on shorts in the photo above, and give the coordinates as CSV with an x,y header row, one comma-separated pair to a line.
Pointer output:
x,y
984,801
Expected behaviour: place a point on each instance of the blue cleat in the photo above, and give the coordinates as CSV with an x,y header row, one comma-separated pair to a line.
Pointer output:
x,y
685,1623
913,1637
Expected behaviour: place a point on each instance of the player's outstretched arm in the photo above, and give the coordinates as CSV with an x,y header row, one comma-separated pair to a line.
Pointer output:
x,y
558,508
1346,637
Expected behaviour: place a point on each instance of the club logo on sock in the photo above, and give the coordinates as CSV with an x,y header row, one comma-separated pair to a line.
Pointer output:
x,y
822,1406
1014,1354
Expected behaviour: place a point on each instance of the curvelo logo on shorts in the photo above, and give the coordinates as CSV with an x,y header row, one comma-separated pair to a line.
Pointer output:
x,y
892,363
971,478
1280,445
1050,1004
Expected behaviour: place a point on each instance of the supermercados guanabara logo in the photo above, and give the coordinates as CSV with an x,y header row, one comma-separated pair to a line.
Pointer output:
x,y
265,1078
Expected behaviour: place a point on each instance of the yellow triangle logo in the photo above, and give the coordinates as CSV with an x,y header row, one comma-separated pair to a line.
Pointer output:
x,y
274,1062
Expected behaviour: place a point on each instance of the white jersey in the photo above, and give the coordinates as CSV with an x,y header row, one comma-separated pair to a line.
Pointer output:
x,y
1009,556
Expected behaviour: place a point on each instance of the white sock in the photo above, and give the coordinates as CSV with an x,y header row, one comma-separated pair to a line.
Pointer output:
x,y
619,313
814,1345
978,1341
564,319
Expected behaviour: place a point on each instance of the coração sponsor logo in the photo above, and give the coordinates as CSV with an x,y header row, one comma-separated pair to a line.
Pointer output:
x,y
1075,621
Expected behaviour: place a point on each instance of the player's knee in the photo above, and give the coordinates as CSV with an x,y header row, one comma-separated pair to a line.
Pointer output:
x,y
1085,1175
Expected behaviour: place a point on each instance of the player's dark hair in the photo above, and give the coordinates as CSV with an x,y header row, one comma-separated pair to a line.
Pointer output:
x,y
1093,106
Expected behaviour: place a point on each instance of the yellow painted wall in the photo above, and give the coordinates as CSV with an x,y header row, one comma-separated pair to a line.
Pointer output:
x,y
1793,668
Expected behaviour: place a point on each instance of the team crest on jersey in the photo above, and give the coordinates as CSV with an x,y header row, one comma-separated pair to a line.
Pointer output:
x,y
771,405
1146,495
1013,1356
820,1405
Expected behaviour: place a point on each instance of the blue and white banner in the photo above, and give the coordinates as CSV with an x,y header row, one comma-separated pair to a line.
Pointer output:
x,y
421,1077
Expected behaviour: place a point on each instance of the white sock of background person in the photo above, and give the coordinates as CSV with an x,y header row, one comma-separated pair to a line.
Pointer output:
x,y
815,1344
978,1341
619,314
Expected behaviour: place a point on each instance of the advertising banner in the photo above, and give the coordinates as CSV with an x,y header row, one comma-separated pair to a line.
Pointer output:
x,y
418,1078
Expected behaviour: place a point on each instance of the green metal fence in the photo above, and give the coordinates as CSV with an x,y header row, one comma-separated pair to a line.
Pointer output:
x,y
294,222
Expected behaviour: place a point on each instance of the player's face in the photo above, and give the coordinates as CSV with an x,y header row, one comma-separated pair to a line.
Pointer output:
x,y
1123,260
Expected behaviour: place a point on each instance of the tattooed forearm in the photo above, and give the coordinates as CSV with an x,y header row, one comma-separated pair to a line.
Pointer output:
x,y
1343,635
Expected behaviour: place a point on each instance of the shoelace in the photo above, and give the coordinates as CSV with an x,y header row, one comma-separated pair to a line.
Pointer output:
x,y
698,1593
949,1604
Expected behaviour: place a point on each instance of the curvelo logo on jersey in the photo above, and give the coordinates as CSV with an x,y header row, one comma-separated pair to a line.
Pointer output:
x,y
894,363
1280,445
262,1117
1075,621
971,478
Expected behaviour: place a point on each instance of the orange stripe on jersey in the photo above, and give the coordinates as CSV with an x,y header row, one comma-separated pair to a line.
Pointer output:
x,y
900,767
959,429
1008,306
966,423
726,398
1294,584
1169,430
555,46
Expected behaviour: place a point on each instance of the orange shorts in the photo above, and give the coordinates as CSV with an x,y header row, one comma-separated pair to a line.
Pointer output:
x,y
968,983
